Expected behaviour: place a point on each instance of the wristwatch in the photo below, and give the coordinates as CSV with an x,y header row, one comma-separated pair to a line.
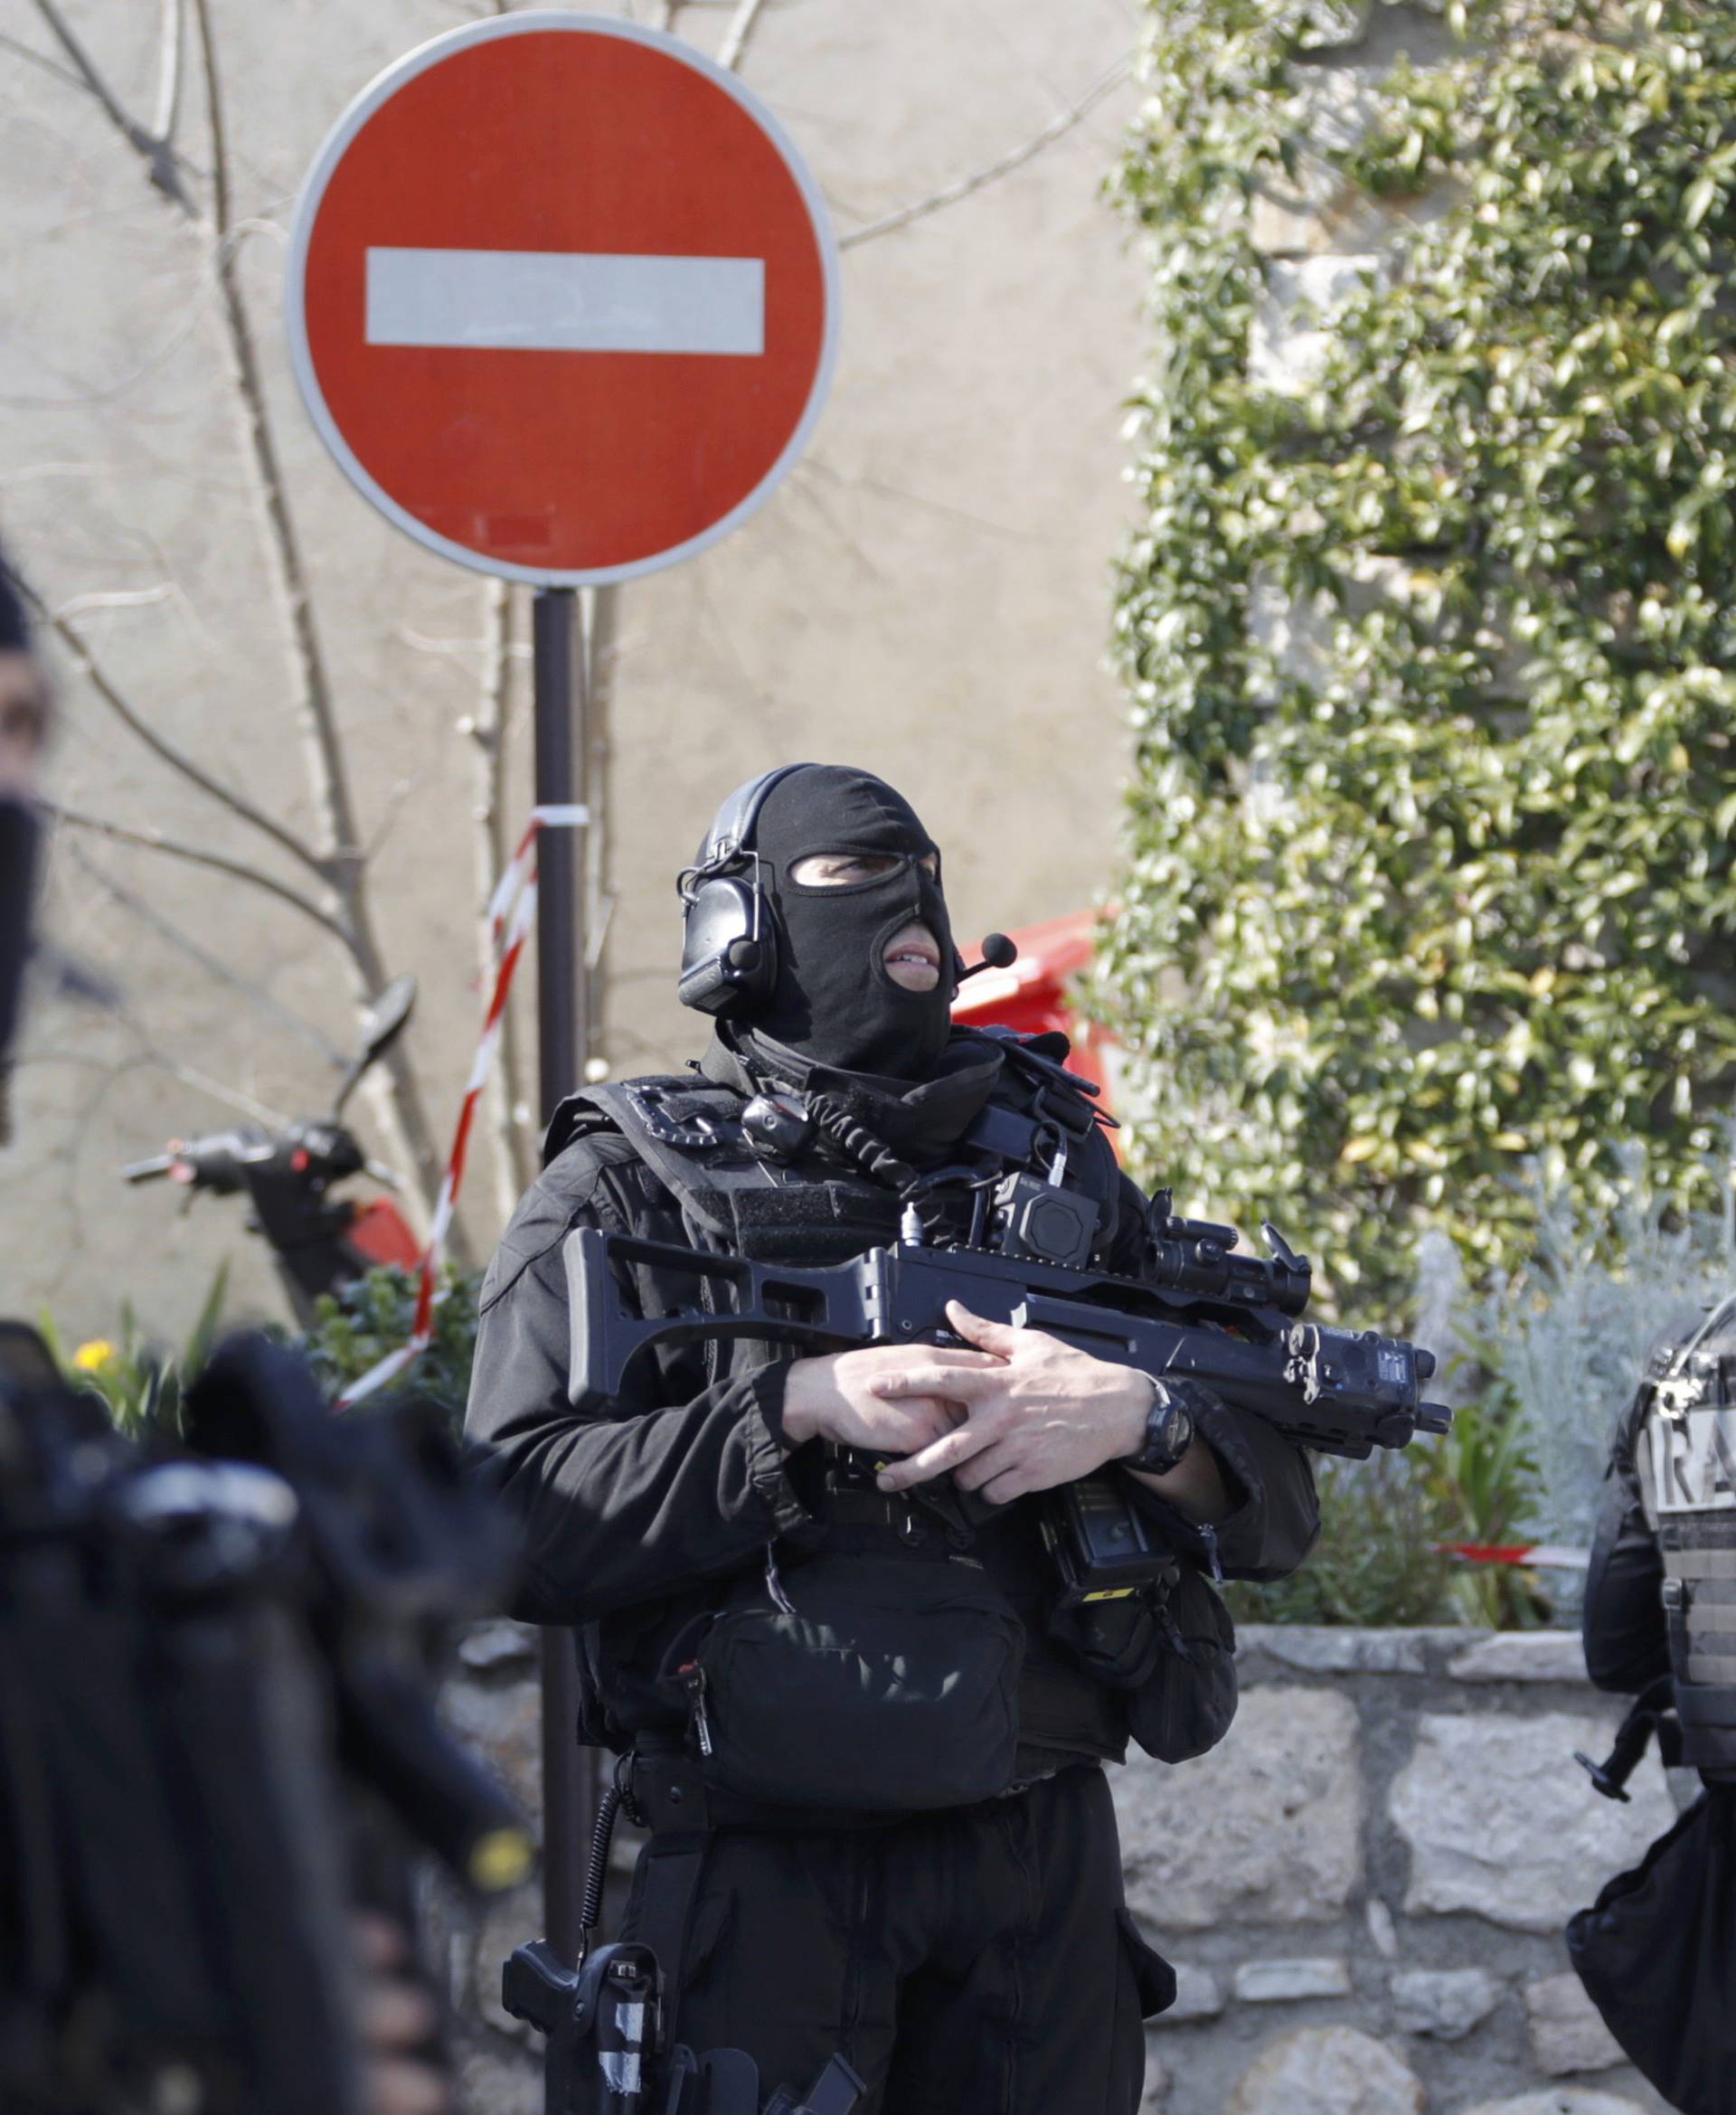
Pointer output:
x,y
1169,1431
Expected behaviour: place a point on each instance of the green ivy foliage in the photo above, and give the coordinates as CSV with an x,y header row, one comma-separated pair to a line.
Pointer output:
x,y
1458,894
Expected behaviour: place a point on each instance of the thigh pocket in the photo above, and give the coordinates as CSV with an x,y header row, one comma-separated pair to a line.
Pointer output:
x,y
1154,1980
706,1932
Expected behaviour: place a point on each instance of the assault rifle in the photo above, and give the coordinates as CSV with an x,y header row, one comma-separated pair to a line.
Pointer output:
x,y
215,1667
1229,1321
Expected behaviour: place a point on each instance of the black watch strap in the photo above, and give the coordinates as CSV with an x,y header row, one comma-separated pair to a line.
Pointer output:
x,y
1169,1430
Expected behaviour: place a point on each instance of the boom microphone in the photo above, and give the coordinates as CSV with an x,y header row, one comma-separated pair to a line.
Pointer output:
x,y
998,953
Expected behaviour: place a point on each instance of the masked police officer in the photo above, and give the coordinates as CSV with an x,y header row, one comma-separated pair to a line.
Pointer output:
x,y
1654,1950
1660,1603
812,1593
396,2017
24,713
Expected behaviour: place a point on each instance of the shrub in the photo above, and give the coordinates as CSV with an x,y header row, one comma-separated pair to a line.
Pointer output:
x,y
356,1329
143,1385
1567,1335
1460,894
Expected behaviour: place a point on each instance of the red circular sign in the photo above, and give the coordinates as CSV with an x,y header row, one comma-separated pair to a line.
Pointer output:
x,y
562,297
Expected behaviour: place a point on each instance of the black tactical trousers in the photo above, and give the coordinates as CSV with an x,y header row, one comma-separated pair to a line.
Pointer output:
x,y
974,1962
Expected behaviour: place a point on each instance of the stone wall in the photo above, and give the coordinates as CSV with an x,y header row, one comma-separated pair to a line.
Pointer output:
x,y
1363,1890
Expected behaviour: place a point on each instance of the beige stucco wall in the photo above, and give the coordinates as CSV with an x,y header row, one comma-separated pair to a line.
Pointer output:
x,y
927,594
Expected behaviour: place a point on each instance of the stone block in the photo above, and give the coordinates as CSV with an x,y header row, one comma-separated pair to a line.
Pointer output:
x,y
1298,636
502,1725
1267,1828
1522,1656
1158,2081
1499,1820
507,2083
1199,1995
1560,2101
508,1923
1280,1982
502,1643
1446,2002
1331,1648
1320,215
1567,2031
1316,208
1328,2070
1383,1933
1288,344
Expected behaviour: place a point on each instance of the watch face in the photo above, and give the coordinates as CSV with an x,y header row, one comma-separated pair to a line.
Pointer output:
x,y
1169,1434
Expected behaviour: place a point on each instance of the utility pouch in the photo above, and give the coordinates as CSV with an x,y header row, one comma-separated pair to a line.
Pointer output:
x,y
1120,1641
887,1683
1185,1704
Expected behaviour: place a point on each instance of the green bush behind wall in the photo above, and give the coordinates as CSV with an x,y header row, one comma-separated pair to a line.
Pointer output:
x,y
1458,896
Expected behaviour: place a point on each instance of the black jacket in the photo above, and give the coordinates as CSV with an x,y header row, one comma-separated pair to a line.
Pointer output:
x,y
1627,1639
635,1507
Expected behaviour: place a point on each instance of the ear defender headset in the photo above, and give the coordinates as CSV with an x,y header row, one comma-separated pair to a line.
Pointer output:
x,y
728,951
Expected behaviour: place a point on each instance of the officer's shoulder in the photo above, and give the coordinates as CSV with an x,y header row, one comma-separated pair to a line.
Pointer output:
x,y
1035,1073
1040,1057
585,1153
1709,1325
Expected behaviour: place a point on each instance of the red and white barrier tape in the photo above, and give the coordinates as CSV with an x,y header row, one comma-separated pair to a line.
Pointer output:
x,y
1560,1555
512,914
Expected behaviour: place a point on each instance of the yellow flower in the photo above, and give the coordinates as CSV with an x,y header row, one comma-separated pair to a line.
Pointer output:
x,y
90,1358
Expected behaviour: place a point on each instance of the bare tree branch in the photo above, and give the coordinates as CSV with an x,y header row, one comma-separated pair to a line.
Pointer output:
x,y
41,58
1057,129
196,856
330,780
214,966
401,1104
740,34
85,660
171,49
158,154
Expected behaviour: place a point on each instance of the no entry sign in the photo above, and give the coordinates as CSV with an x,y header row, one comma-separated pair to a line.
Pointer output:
x,y
563,299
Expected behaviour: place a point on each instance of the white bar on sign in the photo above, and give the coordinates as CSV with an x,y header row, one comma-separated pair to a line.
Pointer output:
x,y
566,301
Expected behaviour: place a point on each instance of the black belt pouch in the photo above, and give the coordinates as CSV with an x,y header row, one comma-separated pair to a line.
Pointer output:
x,y
883,1682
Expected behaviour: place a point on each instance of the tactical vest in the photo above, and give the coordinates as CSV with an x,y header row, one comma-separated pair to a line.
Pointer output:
x,y
1685,1454
687,1131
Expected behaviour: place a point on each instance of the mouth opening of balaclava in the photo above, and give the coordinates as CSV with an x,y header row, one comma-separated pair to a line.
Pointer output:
x,y
835,1002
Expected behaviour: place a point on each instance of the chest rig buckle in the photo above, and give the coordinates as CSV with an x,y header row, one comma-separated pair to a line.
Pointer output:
x,y
697,1131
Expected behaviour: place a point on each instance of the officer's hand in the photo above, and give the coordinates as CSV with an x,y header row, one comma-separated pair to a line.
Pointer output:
x,y
846,1398
24,720
1037,1413
395,2018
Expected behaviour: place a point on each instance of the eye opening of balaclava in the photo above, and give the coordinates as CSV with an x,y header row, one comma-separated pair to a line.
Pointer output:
x,y
833,1001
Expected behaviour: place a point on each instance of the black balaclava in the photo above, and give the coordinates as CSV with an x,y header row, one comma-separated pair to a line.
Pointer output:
x,y
833,1003
18,841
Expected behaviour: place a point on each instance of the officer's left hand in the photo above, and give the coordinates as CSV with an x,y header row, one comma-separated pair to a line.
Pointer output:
x,y
1046,1414
395,2019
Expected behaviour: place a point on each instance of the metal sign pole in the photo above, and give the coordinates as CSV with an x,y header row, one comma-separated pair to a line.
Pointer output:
x,y
564,1014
